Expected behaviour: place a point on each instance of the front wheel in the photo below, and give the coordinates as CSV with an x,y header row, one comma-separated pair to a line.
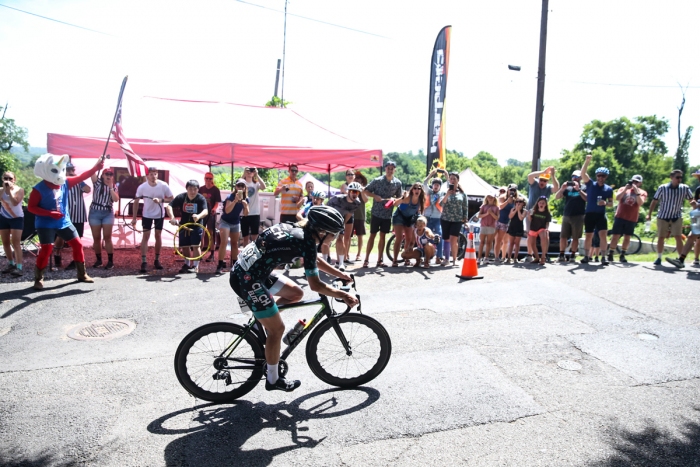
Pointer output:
x,y
207,370
390,247
369,349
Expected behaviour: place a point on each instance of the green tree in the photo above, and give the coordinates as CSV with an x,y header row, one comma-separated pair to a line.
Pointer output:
x,y
680,160
11,134
276,102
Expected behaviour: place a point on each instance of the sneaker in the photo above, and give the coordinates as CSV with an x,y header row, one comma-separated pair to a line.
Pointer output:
x,y
185,269
17,272
143,267
507,261
562,259
657,262
341,268
445,262
210,257
604,261
9,269
220,267
349,261
528,258
157,265
595,260
491,260
611,257
623,259
676,262
585,260
696,263
283,385
109,265
97,264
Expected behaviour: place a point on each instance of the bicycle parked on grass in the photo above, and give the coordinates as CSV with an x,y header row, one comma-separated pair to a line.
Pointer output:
x,y
221,362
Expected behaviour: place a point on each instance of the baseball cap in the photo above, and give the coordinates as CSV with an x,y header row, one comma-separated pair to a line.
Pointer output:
x,y
544,177
576,173
637,178
70,166
388,163
696,173
153,169
512,186
240,181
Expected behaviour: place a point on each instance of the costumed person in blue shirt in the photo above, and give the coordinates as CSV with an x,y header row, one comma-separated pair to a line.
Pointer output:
x,y
48,201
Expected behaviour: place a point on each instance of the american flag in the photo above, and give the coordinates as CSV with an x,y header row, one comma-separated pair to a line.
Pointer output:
x,y
135,162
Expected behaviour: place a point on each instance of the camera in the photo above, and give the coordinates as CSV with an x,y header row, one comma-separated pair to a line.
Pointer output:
x,y
512,193
630,183
570,183
251,169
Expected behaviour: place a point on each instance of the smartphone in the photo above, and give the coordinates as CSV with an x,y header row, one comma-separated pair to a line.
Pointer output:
x,y
241,194
569,183
451,187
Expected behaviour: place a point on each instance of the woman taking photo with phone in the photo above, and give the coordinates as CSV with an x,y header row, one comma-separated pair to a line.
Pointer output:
x,y
11,223
539,227
488,213
506,202
454,214
235,206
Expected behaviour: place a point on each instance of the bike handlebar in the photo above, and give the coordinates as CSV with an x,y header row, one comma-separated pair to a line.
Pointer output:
x,y
347,287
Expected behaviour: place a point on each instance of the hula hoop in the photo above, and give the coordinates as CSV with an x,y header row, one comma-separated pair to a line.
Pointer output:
x,y
187,227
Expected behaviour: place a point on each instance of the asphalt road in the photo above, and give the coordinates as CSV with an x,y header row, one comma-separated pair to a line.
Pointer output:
x,y
561,365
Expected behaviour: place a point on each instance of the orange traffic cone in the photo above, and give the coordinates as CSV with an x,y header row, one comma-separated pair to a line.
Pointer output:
x,y
470,271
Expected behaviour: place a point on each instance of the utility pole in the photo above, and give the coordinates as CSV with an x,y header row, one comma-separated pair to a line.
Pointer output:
x,y
277,78
539,108
284,50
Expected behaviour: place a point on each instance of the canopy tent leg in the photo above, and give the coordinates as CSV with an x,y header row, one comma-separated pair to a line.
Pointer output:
x,y
329,181
232,183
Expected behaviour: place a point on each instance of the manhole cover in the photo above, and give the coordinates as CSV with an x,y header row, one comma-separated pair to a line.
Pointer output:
x,y
569,365
646,336
102,330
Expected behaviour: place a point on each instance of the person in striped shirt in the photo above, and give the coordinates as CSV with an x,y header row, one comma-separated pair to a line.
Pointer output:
x,y
76,207
670,197
291,195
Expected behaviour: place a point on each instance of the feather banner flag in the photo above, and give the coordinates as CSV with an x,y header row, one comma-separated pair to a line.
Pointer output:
x,y
438,91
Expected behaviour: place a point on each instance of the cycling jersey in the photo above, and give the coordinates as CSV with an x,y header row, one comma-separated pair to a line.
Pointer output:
x,y
251,276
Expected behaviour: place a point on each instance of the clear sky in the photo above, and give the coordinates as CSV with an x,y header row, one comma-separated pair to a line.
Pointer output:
x,y
605,59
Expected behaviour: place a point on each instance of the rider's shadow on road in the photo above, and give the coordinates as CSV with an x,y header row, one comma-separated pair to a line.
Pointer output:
x,y
216,434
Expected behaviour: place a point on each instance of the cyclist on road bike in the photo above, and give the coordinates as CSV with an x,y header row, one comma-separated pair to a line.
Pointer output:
x,y
252,277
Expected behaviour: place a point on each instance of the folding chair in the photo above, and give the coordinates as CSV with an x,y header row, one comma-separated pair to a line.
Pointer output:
x,y
30,239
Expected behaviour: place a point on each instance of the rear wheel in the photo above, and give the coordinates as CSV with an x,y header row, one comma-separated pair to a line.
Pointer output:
x,y
205,373
461,246
369,350
390,247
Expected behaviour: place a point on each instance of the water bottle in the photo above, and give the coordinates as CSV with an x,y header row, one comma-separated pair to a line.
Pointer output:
x,y
647,226
695,221
294,332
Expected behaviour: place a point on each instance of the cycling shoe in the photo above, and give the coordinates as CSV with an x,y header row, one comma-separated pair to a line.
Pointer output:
x,y
283,385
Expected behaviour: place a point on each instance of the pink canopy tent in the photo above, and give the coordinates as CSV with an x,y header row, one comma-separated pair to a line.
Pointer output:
x,y
218,133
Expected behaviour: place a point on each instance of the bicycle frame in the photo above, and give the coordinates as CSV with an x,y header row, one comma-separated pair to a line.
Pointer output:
x,y
326,309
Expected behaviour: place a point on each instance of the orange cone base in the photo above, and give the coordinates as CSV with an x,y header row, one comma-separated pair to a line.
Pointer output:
x,y
469,278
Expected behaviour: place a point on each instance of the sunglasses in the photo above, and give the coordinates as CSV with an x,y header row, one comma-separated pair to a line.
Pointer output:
x,y
208,178
294,170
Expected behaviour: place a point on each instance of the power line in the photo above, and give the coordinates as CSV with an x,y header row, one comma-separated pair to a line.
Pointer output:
x,y
315,20
57,21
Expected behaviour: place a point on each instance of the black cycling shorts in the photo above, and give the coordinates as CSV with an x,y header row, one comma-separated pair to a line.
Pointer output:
x,y
595,221
148,223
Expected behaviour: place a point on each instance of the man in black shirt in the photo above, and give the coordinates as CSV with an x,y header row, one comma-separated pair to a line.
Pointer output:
x,y
194,208
574,213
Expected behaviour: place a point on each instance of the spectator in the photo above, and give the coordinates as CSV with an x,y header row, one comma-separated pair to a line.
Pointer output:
x,y
213,196
194,208
598,197
317,199
489,215
309,186
76,207
250,223
455,209
540,218
574,214
349,178
12,223
235,206
433,209
693,238
359,226
629,198
506,202
423,247
382,190
537,182
516,229
410,206
696,174
669,197
346,204
154,193
101,217
291,195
